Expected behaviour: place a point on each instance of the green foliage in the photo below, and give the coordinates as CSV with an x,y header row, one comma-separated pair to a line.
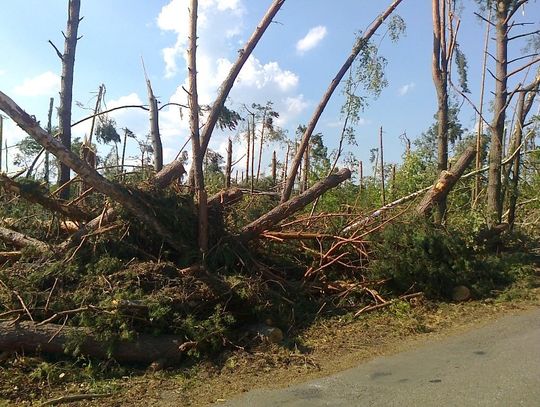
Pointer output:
x,y
106,131
461,63
419,256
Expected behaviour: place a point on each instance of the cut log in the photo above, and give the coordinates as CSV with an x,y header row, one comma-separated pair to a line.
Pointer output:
x,y
21,240
89,175
446,182
29,337
35,196
286,209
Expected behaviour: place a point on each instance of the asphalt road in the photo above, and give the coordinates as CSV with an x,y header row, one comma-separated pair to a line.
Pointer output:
x,y
495,365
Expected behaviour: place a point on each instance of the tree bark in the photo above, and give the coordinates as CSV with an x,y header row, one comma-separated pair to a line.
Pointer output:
x,y
494,199
295,164
439,69
90,176
30,337
525,103
35,196
198,155
21,240
66,89
446,182
286,209
154,128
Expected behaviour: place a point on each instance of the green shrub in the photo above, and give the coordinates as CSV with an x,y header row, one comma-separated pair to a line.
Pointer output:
x,y
420,256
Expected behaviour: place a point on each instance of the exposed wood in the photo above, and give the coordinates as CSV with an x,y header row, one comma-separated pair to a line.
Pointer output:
x,y
66,88
154,127
358,46
286,209
36,196
21,240
225,198
89,175
446,182
30,337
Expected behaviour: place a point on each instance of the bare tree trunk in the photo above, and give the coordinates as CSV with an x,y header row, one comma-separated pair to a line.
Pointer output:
x,y
523,108
47,154
479,134
359,45
198,155
87,174
228,166
286,209
440,62
446,182
305,172
383,194
274,167
96,111
494,199
66,88
252,152
263,127
361,175
154,128
124,151
248,152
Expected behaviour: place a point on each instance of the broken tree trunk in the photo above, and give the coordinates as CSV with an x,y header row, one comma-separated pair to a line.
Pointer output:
x,y
446,182
51,338
20,240
286,209
358,46
66,88
154,128
224,198
36,196
89,175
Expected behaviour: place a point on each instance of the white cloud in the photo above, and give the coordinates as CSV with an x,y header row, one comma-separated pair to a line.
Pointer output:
x,y
406,88
46,84
312,39
255,74
2,72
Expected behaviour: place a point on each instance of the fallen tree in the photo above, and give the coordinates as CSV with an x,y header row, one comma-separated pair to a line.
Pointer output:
x,y
446,182
286,209
21,240
32,337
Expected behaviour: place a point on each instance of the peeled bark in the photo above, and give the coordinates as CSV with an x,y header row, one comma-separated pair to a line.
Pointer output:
x,y
286,209
29,337
289,182
66,88
446,182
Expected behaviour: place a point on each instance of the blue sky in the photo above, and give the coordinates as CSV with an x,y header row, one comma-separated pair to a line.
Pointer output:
x,y
291,66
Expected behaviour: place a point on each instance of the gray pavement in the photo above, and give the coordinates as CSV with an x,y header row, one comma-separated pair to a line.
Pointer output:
x,y
495,365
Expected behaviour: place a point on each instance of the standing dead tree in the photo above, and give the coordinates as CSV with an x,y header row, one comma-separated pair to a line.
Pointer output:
x,y
66,86
358,47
